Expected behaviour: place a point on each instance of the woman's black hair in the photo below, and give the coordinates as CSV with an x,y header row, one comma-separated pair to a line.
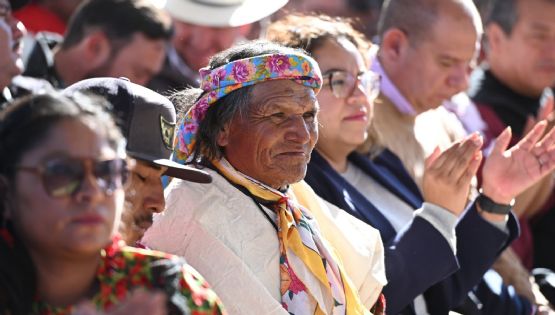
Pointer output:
x,y
24,124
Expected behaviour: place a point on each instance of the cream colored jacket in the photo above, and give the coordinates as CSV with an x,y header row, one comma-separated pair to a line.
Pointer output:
x,y
223,234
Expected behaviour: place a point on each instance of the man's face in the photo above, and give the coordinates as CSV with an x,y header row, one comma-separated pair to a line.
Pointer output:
x,y
527,55
11,32
436,68
18,29
273,141
139,60
8,67
144,196
196,44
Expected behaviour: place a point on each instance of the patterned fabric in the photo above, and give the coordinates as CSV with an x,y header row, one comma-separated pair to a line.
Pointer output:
x,y
123,269
221,81
312,276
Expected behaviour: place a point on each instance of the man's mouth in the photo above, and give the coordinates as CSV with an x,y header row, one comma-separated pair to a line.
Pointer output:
x,y
144,222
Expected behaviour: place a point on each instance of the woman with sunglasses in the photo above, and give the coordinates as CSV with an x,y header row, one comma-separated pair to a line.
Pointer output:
x,y
62,171
423,247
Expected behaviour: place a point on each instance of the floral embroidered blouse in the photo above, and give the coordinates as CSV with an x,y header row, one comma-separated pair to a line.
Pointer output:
x,y
124,269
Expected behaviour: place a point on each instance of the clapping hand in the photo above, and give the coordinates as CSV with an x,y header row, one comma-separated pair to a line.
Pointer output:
x,y
508,172
448,174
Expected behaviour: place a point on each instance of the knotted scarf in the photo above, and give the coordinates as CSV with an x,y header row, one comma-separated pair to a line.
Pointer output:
x,y
313,280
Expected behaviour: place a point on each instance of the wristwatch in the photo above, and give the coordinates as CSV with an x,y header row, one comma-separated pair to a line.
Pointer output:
x,y
488,205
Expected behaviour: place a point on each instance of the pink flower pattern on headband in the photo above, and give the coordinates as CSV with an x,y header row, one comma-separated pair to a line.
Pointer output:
x,y
241,71
278,63
221,81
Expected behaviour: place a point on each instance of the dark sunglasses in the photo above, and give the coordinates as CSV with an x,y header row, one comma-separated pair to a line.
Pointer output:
x,y
63,177
343,83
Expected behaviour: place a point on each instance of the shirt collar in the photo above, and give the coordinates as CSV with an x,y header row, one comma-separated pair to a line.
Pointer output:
x,y
388,88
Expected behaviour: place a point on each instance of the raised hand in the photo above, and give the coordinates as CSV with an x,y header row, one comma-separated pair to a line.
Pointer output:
x,y
507,173
447,177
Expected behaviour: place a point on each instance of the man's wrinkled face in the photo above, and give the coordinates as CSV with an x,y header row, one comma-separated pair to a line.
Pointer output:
x,y
273,140
437,67
144,196
197,44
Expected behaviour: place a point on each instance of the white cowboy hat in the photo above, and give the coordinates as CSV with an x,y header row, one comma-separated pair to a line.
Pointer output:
x,y
222,13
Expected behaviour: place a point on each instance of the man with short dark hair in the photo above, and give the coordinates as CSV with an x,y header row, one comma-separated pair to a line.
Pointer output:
x,y
104,38
520,66
147,120
12,84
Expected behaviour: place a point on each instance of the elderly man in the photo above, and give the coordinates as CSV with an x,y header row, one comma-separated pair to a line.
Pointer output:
x,y
202,29
147,119
254,126
114,38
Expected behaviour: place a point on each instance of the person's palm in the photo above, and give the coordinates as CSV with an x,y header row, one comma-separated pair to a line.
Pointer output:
x,y
507,173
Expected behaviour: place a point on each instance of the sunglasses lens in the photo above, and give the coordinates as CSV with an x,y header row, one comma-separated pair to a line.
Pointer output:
x,y
62,177
111,174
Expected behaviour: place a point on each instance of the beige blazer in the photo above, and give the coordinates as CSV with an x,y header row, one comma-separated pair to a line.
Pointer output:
x,y
413,138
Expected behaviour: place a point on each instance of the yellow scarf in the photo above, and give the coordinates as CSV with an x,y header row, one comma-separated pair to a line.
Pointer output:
x,y
313,280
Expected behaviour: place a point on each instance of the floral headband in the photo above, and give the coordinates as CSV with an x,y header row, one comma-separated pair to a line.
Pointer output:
x,y
221,81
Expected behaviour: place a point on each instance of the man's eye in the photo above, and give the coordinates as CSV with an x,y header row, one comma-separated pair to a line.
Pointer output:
x,y
540,37
445,63
278,115
140,177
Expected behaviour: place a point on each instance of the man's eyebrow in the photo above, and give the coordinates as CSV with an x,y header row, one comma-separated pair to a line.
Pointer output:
x,y
539,26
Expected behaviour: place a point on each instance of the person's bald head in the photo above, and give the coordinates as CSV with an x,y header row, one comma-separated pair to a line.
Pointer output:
x,y
427,47
418,17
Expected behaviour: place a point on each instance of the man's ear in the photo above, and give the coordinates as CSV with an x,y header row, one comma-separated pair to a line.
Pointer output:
x,y
97,49
394,44
223,136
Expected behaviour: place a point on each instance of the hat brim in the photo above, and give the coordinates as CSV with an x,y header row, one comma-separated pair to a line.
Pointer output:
x,y
184,172
246,12
176,170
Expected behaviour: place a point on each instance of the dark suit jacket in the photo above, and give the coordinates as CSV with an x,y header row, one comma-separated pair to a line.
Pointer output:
x,y
418,260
